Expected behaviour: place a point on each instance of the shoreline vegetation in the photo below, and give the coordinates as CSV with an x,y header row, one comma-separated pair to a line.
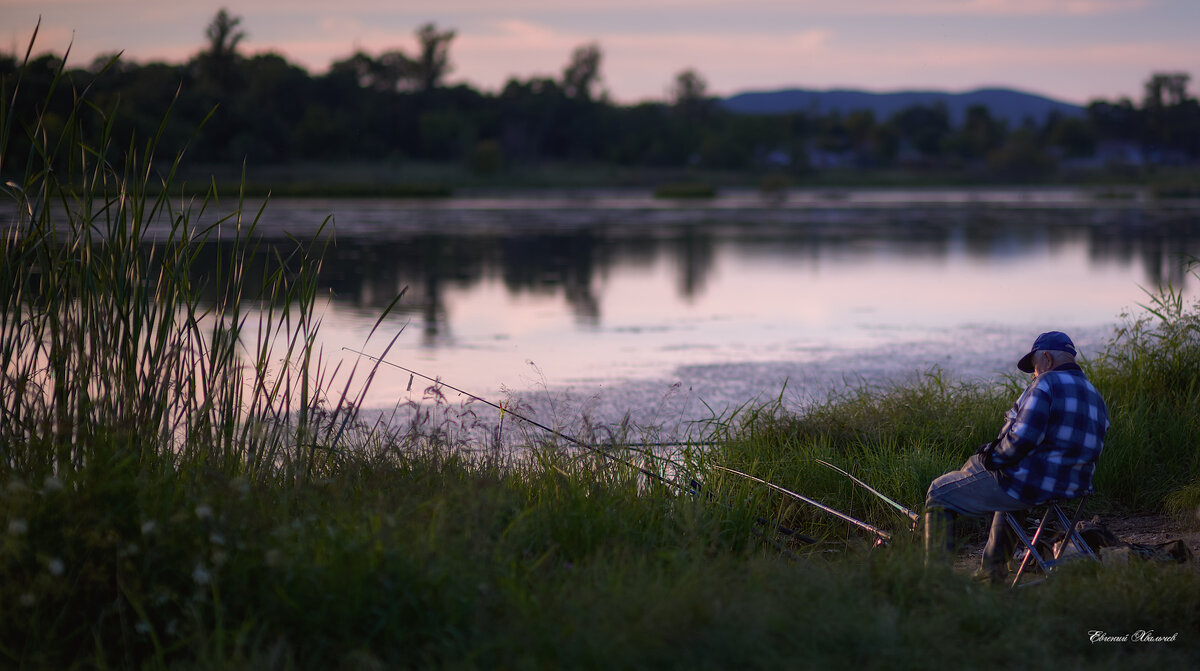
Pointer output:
x,y
392,125
447,180
182,487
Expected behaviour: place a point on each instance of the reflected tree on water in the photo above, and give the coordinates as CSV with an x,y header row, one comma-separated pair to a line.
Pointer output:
x,y
572,265
548,263
695,251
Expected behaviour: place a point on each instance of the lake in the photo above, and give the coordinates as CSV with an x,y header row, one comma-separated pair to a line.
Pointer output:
x,y
601,302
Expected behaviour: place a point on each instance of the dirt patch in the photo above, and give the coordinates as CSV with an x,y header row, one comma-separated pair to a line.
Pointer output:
x,y
1143,529
1154,529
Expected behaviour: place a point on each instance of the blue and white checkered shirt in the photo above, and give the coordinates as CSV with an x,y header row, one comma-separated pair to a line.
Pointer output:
x,y
1054,434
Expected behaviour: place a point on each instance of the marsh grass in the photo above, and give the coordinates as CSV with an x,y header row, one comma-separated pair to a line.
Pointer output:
x,y
184,483
897,439
1151,376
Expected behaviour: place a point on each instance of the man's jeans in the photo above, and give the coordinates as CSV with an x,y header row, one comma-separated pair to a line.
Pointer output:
x,y
972,491
975,492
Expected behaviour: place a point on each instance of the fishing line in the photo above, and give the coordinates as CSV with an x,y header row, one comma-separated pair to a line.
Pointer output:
x,y
880,533
504,410
695,486
913,517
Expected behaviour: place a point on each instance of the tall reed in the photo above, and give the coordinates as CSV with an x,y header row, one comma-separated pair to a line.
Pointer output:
x,y
113,342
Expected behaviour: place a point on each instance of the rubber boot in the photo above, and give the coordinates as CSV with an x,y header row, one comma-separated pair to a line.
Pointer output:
x,y
994,566
939,536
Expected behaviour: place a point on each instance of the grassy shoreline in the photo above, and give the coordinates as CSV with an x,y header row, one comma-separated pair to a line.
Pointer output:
x,y
183,488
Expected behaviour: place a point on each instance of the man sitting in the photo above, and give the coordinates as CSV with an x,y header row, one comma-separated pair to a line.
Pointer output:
x,y
1046,450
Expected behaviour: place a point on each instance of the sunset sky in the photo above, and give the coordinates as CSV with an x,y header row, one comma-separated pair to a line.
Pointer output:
x,y
1072,50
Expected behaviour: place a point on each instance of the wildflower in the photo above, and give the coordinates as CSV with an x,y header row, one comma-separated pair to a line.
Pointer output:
x,y
149,527
204,512
52,484
201,575
17,527
216,539
142,627
27,600
55,566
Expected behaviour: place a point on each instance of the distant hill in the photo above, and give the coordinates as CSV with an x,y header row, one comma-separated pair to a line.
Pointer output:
x,y
1006,104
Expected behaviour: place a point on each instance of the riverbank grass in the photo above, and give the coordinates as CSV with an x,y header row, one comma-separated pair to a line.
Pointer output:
x,y
185,483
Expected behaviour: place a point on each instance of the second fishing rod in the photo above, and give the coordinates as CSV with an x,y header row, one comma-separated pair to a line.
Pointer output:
x,y
694,488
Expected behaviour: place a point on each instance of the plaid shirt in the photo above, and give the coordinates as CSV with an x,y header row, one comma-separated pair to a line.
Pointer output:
x,y
1052,439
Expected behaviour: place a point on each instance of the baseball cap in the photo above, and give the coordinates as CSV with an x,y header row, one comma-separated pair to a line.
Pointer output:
x,y
1050,341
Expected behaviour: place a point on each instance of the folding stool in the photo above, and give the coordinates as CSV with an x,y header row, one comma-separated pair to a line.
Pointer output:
x,y
1053,512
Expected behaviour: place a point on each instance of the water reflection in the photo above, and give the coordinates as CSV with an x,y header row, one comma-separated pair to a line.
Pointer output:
x,y
367,272
729,299
570,264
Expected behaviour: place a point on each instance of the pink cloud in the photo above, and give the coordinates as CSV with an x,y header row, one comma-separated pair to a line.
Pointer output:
x,y
982,7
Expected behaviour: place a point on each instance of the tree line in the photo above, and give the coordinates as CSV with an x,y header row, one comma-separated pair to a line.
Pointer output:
x,y
398,106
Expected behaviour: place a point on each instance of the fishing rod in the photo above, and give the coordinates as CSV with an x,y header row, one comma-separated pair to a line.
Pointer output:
x,y
913,517
503,410
786,531
883,536
695,488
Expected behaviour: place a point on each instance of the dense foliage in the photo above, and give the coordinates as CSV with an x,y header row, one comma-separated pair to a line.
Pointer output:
x,y
395,107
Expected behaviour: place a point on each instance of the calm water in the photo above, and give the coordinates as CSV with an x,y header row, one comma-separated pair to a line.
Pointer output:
x,y
601,303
